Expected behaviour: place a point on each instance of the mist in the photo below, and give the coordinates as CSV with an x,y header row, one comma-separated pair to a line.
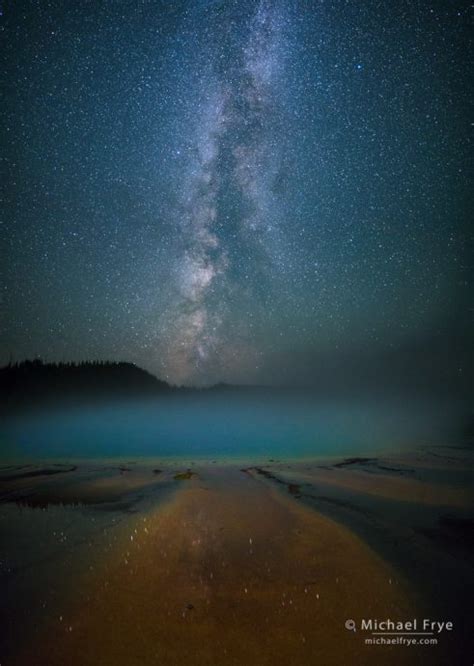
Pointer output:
x,y
231,423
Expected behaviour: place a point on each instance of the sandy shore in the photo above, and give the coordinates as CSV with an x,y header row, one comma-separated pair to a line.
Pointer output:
x,y
228,572
221,565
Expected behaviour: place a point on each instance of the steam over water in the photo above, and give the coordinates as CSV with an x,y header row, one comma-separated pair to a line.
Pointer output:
x,y
228,425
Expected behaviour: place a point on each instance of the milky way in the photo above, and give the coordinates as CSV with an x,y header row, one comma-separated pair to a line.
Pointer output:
x,y
234,155
235,191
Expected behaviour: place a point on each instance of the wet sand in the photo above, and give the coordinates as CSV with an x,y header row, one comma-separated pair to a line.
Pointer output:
x,y
40,486
398,488
224,565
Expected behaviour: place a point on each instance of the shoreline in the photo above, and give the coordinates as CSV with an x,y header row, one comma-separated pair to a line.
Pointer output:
x,y
84,520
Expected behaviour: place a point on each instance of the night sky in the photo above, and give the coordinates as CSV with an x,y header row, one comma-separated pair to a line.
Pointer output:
x,y
252,192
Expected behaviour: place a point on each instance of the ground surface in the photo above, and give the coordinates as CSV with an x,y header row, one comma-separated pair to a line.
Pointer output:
x,y
134,563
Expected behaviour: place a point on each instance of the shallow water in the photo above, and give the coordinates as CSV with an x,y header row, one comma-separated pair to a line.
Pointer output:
x,y
126,536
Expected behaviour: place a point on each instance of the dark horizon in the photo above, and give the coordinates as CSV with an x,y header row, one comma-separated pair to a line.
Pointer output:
x,y
432,364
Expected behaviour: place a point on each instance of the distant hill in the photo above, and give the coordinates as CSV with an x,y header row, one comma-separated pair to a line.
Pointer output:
x,y
33,382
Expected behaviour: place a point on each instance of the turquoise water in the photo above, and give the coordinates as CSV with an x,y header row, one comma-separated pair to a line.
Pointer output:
x,y
223,426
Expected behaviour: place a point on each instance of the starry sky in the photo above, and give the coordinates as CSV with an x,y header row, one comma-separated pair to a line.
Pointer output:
x,y
241,191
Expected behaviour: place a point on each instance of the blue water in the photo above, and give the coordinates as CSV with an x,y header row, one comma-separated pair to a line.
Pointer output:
x,y
223,426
